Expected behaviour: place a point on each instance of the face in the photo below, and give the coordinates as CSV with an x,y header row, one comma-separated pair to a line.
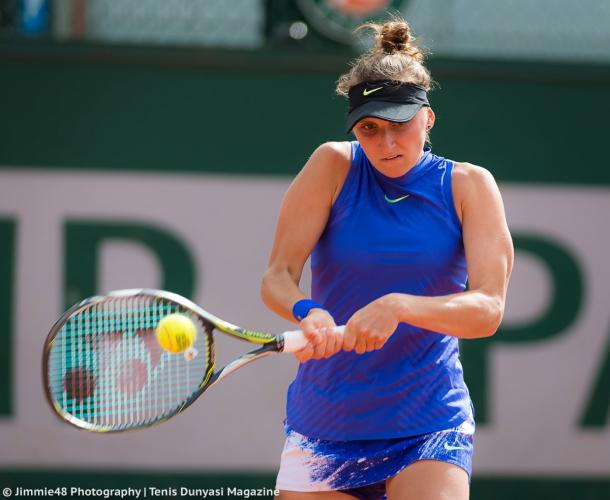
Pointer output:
x,y
394,148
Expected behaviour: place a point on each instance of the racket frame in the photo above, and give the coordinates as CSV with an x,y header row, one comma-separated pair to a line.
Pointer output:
x,y
270,344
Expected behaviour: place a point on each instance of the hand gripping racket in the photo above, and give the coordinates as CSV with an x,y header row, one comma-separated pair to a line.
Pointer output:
x,y
105,371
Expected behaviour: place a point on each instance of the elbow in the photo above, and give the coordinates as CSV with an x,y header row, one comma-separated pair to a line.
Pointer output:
x,y
493,316
272,283
265,287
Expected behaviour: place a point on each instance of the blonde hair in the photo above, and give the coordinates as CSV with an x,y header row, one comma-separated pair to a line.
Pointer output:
x,y
396,57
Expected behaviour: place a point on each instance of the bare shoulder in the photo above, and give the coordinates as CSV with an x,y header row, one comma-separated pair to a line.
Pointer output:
x,y
329,165
471,175
471,183
338,149
335,155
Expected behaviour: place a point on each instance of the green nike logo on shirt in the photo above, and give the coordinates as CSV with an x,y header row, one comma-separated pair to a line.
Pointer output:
x,y
395,200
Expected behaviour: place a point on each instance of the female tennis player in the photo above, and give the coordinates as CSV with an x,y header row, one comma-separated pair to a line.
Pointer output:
x,y
394,233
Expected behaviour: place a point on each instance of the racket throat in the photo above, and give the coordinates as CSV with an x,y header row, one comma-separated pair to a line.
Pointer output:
x,y
262,352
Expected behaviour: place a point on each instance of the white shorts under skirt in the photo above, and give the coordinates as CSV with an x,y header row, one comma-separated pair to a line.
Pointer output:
x,y
360,468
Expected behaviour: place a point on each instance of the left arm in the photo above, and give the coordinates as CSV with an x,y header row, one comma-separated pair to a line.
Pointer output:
x,y
489,257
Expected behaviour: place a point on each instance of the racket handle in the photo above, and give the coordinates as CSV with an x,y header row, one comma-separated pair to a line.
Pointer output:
x,y
295,341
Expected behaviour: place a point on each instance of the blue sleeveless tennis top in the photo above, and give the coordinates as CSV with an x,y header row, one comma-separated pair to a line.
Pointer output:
x,y
386,235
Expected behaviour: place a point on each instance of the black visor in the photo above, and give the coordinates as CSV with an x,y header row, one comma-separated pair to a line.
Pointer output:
x,y
392,101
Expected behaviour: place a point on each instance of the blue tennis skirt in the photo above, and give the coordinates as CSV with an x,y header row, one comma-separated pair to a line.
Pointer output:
x,y
360,468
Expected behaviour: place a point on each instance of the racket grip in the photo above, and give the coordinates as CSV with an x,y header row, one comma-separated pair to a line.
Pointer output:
x,y
295,341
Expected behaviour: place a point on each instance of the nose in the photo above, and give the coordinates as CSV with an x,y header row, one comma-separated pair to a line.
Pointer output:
x,y
387,139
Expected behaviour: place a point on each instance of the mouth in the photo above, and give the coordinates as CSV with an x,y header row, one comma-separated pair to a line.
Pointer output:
x,y
391,158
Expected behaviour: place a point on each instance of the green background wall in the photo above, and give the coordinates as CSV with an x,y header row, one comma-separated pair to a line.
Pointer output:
x,y
259,112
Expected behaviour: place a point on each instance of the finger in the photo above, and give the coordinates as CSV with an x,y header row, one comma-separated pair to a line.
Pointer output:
x,y
349,338
338,341
304,354
379,343
319,351
360,346
371,341
370,345
331,344
314,336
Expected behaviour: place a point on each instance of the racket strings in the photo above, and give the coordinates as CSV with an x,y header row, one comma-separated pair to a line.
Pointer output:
x,y
106,367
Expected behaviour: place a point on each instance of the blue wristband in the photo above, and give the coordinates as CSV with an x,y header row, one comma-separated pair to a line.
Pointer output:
x,y
301,308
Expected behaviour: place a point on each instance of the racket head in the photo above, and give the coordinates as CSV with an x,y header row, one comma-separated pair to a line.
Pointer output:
x,y
105,371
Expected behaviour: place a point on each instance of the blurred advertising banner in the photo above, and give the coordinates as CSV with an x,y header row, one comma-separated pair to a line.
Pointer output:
x,y
561,30
544,30
540,385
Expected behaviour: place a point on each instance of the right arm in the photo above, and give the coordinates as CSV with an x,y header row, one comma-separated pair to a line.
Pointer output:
x,y
302,219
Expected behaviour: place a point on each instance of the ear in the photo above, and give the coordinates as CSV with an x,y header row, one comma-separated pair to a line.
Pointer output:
x,y
430,119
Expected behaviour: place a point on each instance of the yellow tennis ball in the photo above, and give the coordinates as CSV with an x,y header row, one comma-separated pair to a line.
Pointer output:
x,y
176,332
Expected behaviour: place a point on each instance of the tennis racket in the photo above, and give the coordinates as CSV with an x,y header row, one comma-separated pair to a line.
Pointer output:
x,y
105,371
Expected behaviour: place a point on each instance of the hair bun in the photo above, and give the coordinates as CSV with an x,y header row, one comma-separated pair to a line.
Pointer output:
x,y
396,56
395,37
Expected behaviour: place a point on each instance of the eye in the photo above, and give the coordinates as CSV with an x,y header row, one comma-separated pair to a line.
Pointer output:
x,y
367,126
